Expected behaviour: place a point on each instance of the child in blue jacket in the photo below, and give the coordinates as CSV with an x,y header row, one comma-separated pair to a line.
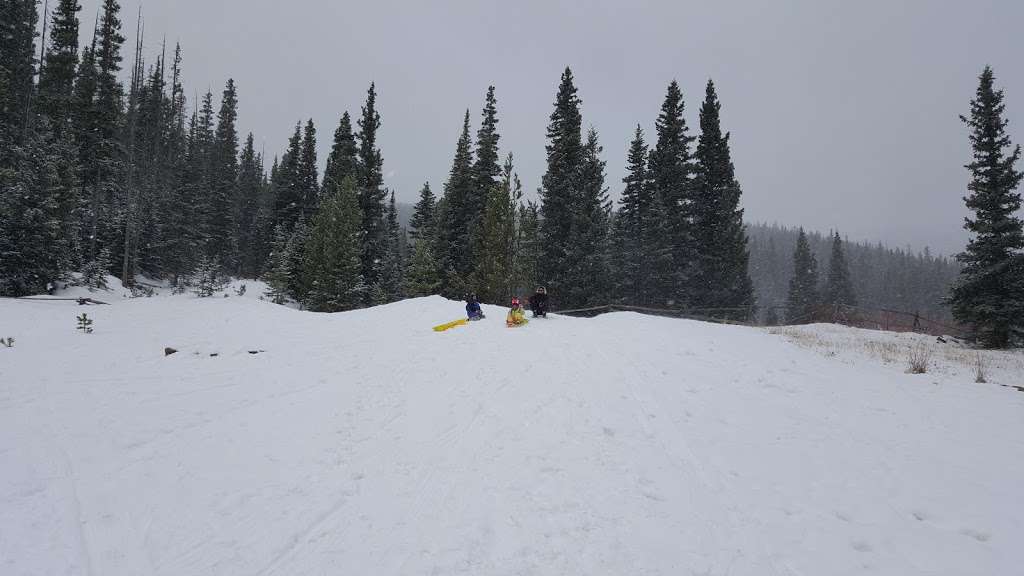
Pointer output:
x,y
473,310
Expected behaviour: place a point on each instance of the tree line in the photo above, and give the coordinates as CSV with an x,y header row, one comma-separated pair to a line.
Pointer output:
x,y
102,178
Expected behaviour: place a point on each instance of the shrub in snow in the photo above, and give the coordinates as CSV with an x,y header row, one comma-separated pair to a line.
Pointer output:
x,y
207,278
919,357
8,342
85,324
980,369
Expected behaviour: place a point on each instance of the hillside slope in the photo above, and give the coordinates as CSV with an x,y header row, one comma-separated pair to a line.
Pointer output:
x,y
365,443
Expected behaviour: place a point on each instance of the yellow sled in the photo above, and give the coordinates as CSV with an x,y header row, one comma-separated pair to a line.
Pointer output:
x,y
452,324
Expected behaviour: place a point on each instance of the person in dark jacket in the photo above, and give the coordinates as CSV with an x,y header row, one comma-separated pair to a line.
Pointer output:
x,y
539,303
473,310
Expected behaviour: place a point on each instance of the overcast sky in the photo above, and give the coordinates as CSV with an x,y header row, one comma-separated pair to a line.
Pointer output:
x,y
843,114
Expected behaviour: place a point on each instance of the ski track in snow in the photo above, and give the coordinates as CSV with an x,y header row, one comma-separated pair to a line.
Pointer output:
x,y
365,443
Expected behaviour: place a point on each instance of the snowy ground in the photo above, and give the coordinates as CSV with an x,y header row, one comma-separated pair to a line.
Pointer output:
x,y
365,443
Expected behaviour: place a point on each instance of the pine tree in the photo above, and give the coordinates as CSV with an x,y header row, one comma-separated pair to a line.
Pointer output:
x,y
371,193
989,295
57,72
720,252
632,228
18,20
278,274
486,171
392,266
495,241
343,161
526,263
111,163
220,204
331,261
287,187
459,208
247,206
560,187
802,303
587,273
309,191
672,169
838,292
422,223
422,273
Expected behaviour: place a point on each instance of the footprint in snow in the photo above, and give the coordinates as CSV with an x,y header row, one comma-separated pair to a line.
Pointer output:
x,y
976,534
861,546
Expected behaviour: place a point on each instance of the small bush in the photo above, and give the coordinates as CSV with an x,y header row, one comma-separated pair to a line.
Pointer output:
x,y
980,369
85,324
7,342
919,357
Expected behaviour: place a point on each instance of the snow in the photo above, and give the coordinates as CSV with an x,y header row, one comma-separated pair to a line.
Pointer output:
x,y
366,443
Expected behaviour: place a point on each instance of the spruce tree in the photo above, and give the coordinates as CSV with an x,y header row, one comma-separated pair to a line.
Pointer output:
x,y
802,302
247,206
331,259
989,295
343,161
560,187
486,171
18,20
671,172
635,237
287,186
422,273
392,266
526,262
587,273
221,202
278,273
422,223
838,294
371,192
721,279
459,209
57,71
493,275
306,178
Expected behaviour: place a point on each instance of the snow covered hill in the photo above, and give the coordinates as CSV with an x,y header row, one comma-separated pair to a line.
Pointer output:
x,y
365,443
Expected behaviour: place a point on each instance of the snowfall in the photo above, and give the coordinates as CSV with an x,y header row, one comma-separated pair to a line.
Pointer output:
x,y
283,442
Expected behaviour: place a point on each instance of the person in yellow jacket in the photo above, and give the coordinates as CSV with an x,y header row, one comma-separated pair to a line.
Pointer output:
x,y
515,314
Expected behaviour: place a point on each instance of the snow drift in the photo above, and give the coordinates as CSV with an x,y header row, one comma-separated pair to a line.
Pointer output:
x,y
284,442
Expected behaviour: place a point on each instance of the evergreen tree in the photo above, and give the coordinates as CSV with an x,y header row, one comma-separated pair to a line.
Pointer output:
x,y
18,20
287,187
720,252
802,303
33,252
331,261
295,255
838,292
57,73
459,208
560,187
495,241
392,266
526,261
371,192
671,172
343,161
104,172
422,273
247,206
306,178
637,234
223,192
278,274
486,170
422,223
989,294
588,267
